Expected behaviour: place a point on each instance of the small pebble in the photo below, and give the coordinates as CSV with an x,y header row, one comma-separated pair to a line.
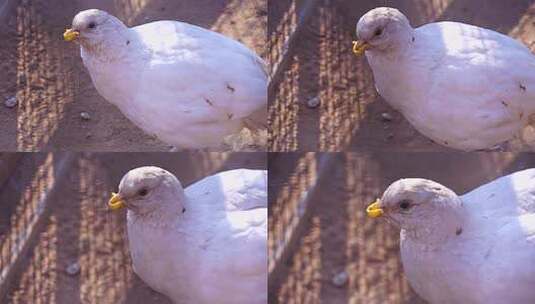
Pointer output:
x,y
73,269
85,116
11,102
313,102
340,279
386,116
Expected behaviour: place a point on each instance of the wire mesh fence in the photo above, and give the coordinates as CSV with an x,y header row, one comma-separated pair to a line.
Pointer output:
x,y
29,215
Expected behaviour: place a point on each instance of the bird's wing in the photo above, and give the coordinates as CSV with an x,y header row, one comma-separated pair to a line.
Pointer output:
x,y
486,67
249,235
245,189
477,80
201,70
234,190
509,195
502,234
507,267
234,263
230,212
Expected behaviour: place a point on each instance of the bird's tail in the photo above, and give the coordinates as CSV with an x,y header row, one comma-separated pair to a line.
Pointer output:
x,y
253,135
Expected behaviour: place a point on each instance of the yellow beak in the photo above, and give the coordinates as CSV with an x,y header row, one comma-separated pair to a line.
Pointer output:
x,y
71,35
374,210
359,47
116,202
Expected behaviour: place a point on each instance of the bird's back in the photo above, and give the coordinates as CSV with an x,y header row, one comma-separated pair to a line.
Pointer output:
x,y
233,190
171,38
510,195
210,70
457,36
226,219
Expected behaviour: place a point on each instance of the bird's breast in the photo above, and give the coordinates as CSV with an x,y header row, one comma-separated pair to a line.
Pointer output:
x,y
160,259
441,274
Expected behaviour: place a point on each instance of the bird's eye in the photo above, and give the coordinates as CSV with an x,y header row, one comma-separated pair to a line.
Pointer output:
x,y
378,32
405,204
143,192
91,25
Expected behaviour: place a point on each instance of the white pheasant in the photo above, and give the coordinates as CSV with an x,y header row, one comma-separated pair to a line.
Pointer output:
x,y
186,85
478,248
205,244
463,86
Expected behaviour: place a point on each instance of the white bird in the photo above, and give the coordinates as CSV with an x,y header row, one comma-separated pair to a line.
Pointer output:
x,y
478,248
186,85
204,244
463,86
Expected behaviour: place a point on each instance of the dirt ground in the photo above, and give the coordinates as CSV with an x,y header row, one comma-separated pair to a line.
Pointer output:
x,y
75,225
336,237
53,88
349,116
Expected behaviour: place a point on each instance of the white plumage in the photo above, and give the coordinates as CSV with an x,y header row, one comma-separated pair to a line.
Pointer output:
x,y
475,248
207,244
463,86
188,86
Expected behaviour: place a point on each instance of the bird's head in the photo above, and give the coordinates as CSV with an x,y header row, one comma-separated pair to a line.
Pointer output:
x,y
419,205
95,28
382,29
149,191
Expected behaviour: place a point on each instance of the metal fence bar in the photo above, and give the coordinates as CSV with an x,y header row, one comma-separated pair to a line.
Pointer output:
x,y
280,65
305,209
35,224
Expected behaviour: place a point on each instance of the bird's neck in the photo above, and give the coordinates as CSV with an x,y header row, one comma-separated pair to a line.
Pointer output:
x,y
396,50
437,230
170,215
111,49
393,69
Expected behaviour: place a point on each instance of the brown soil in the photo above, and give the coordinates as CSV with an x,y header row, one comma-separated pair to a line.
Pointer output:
x,y
349,116
53,87
335,234
77,227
